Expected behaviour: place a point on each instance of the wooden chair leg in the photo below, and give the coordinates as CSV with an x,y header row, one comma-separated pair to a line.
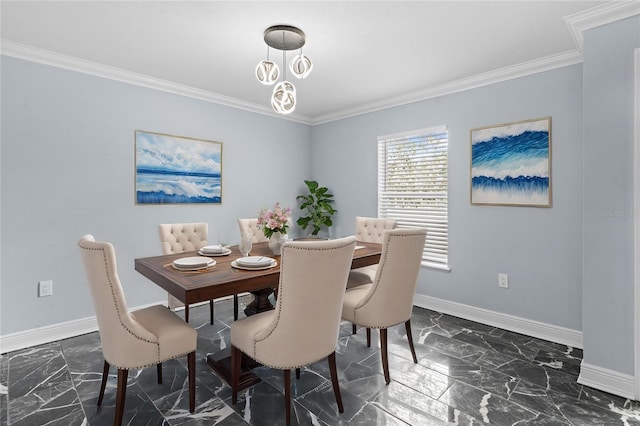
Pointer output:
x,y
236,361
353,329
287,396
235,307
368,337
297,374
186,313
385,357
191,366
334,381
120,395
407,326
105,374
159,370
211,310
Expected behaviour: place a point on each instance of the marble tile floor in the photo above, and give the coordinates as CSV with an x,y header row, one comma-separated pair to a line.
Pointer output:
x,y
467,374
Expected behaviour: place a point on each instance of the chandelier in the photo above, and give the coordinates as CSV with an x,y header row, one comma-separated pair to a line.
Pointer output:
x,y
283,37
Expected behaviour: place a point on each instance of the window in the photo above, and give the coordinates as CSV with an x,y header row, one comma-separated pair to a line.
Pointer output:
x,y
412,186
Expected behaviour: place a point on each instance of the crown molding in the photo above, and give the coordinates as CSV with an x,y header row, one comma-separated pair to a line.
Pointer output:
x,y
46,57
610,12
577,23
503,74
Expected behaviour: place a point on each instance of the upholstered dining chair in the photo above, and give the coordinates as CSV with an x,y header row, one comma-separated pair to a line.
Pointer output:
x,y
304,326
368,230
388,301
132,340
250,227
181,237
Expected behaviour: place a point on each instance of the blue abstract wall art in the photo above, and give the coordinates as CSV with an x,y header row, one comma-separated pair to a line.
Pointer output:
x,y
177,170
511,164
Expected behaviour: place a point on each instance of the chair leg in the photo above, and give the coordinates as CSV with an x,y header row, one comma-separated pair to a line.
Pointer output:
x,y
334,381
105,374
368,337
159,370
191,366
211,310
407,326
120,395
353,329
287,396
235,307
297,374
186,313
236,361
385,357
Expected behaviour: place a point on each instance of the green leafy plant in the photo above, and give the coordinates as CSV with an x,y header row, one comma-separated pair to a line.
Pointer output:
x,y
317,205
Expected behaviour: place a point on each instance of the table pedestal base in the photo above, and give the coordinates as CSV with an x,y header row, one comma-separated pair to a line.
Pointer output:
x,y
220,362
260,303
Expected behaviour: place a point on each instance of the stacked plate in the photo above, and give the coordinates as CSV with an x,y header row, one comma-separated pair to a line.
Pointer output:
x,y
192,263
215,250
254,263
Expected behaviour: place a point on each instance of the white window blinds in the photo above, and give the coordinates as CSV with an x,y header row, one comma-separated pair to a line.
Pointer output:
x,y
412,186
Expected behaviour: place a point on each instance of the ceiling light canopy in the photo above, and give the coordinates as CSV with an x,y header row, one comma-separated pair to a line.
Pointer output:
x,y
284,38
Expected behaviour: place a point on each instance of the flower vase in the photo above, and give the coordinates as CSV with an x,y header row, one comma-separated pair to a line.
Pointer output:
x,y
275,243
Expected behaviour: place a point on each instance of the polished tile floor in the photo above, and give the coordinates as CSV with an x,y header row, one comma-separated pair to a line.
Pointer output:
x,y
467,373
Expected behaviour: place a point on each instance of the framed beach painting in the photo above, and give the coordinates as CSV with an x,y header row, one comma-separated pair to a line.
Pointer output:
x,y
177,170
511,164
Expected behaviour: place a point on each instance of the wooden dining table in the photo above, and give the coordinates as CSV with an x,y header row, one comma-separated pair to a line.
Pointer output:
x,y
222,280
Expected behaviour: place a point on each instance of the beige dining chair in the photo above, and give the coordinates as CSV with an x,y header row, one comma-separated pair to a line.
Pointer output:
x,y
179,238
250,227
132,340
368,230
388,301
304,326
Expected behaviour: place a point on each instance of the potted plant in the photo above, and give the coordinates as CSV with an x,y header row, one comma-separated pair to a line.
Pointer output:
x,y
317,205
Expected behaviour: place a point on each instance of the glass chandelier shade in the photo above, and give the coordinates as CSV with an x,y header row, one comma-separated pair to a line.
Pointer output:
x,y
301,65
283,100
283,37
267,72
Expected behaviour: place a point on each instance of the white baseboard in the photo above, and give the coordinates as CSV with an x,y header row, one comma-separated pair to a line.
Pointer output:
x,y
607,380
553,333
51,333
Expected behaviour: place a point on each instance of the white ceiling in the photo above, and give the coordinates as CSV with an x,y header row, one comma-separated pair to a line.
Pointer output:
x,y
366,54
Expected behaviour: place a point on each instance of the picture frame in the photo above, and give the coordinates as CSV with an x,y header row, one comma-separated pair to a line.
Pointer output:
x,y
172,169
511,164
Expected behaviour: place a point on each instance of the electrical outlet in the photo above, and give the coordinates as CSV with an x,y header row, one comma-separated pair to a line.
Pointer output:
x,y
45,288
503,280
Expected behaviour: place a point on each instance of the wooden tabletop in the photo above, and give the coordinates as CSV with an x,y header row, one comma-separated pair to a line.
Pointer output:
x,y
223,280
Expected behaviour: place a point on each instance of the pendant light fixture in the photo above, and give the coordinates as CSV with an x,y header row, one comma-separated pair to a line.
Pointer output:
x,y
284,38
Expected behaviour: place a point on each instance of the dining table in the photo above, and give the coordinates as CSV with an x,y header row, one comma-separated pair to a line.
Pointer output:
x,y
224,279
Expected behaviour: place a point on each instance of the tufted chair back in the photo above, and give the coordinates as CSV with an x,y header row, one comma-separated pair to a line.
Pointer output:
x,y
250,227
181,237
371,229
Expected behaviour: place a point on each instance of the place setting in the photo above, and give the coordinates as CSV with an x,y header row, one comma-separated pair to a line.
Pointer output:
x,y
192,264
214,250
254,263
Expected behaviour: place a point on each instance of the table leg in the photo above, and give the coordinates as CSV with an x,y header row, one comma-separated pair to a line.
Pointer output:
x,y
260,303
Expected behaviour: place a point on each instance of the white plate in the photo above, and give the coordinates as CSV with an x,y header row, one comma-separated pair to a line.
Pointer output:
x,y
255,261
192,262
225,252
236,265
194,268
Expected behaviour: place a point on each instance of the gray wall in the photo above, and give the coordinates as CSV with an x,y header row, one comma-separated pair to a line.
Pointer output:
x,y
68,169
540,248
608,293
